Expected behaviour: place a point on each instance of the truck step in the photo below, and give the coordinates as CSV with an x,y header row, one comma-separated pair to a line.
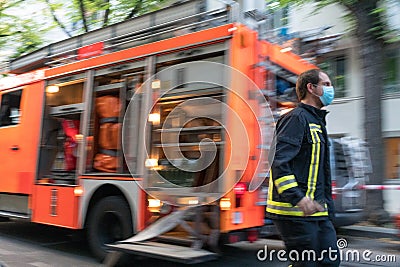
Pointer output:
x,y
181,254
175,240
158,228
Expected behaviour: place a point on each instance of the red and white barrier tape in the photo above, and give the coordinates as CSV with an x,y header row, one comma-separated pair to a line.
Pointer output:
x,y
379,187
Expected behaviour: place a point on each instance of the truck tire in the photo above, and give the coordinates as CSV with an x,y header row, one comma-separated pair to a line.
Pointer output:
x,y
108,222
4,219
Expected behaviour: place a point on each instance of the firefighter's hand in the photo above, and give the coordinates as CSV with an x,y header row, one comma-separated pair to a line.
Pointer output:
x,y
309,207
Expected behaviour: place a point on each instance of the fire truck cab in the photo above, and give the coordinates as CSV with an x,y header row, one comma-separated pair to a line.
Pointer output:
x,y
157,128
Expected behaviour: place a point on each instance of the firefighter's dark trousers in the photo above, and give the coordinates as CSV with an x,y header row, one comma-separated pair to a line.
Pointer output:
x,y
309,243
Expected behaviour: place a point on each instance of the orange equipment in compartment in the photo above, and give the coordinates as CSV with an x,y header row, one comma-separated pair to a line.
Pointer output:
x,y
108,109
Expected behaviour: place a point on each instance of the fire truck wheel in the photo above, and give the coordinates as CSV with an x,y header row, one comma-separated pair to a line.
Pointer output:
x,y
109,221
4,219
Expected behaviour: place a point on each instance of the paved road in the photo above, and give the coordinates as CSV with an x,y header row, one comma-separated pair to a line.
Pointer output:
x,y
28,244
24,244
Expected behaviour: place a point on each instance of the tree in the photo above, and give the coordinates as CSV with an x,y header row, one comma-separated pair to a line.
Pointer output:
x,y
25,34
81,16
372,35
23,29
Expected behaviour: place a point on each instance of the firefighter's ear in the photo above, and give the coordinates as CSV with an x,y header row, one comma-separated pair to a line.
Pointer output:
x,y
310,88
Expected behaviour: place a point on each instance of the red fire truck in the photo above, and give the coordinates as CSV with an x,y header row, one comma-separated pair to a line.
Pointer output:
x,y
151,128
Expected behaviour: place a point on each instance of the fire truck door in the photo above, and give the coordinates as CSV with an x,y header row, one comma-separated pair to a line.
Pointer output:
x,y
10,139
19,131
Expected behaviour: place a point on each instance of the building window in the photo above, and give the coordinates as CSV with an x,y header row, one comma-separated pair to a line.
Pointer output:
x,y
335,67
10,108
392,157
392,72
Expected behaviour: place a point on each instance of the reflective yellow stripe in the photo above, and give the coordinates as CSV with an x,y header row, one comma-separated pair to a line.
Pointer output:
x,y
285,182
280,204
283,208
287,204
314,185
284,179
315,127
295,213
286,187
270,186
314,164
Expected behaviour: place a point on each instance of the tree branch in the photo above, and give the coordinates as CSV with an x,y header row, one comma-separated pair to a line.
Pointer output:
x,y
134,10
53,14
106,13
83,15
7,4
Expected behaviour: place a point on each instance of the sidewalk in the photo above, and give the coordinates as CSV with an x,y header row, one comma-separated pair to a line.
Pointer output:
x,y
369,231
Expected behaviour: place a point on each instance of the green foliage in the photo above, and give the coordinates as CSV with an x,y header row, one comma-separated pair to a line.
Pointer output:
x,y
19,33
81,16
23,29
29,37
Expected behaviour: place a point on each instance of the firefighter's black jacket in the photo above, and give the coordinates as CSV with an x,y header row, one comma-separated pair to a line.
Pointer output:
x,y
301,164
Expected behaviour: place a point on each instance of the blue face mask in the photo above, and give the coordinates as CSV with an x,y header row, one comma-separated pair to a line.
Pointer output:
x,y
328,95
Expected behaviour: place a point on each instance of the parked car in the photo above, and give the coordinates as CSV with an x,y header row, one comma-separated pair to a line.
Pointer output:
x,y
350,166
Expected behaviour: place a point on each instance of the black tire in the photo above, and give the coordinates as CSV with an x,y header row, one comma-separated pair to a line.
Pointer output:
x,y
108,222
4,219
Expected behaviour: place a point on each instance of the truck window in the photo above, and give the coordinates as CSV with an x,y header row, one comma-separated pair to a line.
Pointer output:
x,y
61,130
68,94
10,108
113,89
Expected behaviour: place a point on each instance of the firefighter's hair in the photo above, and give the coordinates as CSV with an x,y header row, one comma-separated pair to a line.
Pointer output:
x,y
309,76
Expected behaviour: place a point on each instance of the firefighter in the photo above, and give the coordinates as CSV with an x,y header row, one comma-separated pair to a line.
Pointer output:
x,y
300,197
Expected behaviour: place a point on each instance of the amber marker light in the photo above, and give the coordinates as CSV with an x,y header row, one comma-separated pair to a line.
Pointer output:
x,y
151,163
154,205
225,203
78,191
